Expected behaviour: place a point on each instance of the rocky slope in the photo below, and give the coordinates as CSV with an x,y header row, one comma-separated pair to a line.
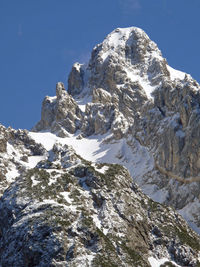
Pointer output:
x,y
68,196
18,152
70,212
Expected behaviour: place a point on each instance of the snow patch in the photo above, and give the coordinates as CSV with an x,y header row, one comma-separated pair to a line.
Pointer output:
x,y
120,36
101,170
34,181
134,157
143,81
11,175
96,220
66,196
33,161
47,139
175,74
10,149
83,102
157,262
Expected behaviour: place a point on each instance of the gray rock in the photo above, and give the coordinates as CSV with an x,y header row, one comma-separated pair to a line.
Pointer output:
x,y
76,80
59,112
3,139
82,217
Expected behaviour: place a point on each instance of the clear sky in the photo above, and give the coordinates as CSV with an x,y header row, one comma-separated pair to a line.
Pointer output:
x,y
41,39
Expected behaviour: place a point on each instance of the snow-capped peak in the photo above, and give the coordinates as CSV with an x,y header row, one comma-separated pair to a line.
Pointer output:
x,y
122,39
126,56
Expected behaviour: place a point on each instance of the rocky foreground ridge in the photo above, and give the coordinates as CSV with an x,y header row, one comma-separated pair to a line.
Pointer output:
x,y
67,211
68,196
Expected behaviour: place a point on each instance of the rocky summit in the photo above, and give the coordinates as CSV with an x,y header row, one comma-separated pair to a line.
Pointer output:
x,y
110,175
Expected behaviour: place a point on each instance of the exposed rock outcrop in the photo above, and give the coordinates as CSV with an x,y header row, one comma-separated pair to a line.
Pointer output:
x,y
76,80
60,114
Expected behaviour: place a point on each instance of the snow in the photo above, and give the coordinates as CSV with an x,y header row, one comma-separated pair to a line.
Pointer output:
x,y
143,81
98,224
175,74
52,98
12,152
96,220
34,181
33,161
120,36
157,262
115,42
90,259
137,158
105,55
11,175
66,196
189,212
53,202
77,66
53,178
52,181
10,149
26,218
103,169
47,139
86,147
105,231
12,171
83,102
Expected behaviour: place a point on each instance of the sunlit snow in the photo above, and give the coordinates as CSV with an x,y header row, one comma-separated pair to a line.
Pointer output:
x,y
175,74
157,262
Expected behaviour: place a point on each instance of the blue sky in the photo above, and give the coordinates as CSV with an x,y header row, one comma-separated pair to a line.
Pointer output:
x,y
41,39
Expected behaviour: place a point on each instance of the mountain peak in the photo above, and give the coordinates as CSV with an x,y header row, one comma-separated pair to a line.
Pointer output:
x,y
126,56
125,73
129,42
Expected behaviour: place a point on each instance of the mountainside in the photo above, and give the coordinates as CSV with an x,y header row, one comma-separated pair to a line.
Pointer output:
x,y
128,90
68,188
67,211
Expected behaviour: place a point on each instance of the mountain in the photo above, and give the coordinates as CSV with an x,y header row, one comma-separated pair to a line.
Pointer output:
x,y
68,191
148,109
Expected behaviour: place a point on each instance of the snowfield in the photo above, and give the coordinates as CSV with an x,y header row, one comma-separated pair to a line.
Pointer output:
x,y
95,149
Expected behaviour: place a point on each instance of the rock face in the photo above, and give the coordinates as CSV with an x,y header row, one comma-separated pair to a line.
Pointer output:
x,y
68,201
3,139
60,113
76,79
